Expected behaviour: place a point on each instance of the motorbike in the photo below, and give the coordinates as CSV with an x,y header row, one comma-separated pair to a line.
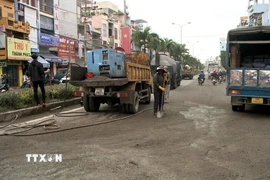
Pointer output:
x,y
3,86
214,81
220,80
200,81
26,84
224,79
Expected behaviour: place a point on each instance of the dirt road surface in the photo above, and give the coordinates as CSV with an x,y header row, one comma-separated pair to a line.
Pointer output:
x,y
199,138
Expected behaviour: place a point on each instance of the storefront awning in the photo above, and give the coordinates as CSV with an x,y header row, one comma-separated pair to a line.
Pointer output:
x,y
43,62
51,58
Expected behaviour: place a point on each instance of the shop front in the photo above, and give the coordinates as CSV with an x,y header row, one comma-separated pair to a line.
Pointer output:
x,y
46,43
18,53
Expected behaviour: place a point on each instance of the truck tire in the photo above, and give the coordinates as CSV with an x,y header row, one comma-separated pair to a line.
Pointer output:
x,y
86,102
148,99
93,105
134,107
124,108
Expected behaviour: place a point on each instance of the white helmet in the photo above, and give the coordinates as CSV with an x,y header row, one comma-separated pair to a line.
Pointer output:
x,y
166,68
160,68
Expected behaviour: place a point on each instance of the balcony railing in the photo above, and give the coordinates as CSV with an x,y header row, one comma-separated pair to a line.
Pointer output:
x,y
46,9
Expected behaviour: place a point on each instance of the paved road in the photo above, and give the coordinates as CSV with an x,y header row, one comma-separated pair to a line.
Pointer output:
x,y
199,138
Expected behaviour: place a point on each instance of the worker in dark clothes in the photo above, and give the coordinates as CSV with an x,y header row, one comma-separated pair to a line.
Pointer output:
x,y
159,89
36,75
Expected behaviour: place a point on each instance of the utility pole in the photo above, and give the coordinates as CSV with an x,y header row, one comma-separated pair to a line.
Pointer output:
x,y
85,40
125,13
69,59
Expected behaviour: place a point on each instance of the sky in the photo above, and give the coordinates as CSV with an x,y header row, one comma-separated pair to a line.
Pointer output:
x,y
210,21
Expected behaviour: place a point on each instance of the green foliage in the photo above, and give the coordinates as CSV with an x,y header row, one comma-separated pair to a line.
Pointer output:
x,y
223,59
10,100
22,98
147,40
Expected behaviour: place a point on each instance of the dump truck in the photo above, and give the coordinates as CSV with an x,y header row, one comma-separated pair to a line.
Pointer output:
x,y
114,77
188,72
248,61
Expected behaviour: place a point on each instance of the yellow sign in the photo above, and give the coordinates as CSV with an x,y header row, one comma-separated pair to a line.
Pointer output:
x,y
18,49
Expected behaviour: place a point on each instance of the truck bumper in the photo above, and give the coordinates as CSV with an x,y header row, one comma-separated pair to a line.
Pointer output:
x,y
124,97
240,100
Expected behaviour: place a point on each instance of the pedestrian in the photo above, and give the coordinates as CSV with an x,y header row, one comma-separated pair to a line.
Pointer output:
x,y
167,83
36,76
159,89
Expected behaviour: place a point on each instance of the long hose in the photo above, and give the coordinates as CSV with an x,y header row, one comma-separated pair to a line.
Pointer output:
x,y
51,124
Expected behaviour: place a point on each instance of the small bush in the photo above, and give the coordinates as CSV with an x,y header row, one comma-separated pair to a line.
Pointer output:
x,y
10,100
27,97
22,98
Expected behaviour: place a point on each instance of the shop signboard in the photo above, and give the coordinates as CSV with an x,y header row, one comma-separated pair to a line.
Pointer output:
x,y
18,49
49,40
3,64
67,46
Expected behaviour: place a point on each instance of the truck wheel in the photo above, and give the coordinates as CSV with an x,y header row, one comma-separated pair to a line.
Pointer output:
x,y
93,105
86,102
134,107
148,99
124,108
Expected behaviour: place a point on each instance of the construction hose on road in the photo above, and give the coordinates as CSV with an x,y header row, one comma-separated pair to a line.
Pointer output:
x,y
52,124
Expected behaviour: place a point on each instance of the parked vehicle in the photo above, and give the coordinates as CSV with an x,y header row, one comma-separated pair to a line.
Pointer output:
x,y
188,72
26,84
179,73
113,77
163,59
248,60
60,73
4,86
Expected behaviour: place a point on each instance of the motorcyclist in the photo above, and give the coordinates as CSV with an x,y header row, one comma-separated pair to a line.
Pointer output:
x,y
220,75
214,75
201,76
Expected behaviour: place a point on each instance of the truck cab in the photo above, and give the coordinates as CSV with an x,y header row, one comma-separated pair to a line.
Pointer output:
x,y
248,73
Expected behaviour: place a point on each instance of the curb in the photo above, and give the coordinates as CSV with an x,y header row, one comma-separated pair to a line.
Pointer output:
x,y
8,116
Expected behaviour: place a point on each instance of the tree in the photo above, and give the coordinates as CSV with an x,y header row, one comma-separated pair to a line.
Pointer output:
x,y
148,40
223,59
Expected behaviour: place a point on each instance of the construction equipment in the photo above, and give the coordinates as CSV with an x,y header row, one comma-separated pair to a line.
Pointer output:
x,y
114,77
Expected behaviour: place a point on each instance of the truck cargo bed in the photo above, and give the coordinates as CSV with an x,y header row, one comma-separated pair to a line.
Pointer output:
x,y
100,81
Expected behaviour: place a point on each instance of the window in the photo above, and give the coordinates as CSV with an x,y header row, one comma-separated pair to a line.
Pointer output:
x,y
105,55
10,15
33,3
26,1
104,30
115,33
